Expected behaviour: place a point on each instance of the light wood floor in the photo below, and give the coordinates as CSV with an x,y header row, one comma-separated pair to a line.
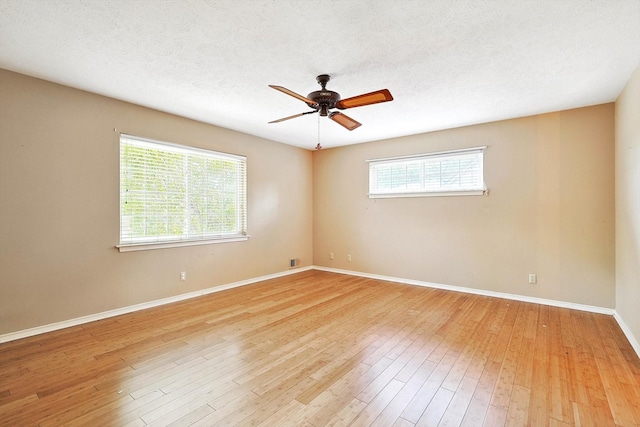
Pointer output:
x,y
319,348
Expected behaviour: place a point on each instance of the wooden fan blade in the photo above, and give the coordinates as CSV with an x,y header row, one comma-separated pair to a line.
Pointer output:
x,y
344,120
293,117
292,93
365,99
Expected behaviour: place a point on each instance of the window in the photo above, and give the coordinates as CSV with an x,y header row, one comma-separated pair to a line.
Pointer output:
x,y
172,195
446,173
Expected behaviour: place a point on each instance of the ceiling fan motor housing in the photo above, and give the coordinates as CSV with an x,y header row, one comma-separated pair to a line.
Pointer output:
x,y
323,99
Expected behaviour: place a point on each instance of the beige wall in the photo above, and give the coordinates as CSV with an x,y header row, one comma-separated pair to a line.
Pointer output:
x,y
628,204
59,207
550,210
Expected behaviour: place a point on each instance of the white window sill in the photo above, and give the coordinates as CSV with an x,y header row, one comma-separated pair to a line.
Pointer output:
x,y
430,194
164,245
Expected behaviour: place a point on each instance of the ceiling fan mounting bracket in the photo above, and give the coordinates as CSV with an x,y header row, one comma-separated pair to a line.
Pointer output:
x,y
323,79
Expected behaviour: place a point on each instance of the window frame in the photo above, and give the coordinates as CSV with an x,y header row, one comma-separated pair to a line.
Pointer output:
x,y
422,159
184,239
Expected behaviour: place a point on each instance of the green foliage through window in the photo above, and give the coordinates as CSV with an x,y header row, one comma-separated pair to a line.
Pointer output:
x,y
175,193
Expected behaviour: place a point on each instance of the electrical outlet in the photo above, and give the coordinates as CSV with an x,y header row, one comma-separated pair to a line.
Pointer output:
x,y
533,279
349,257
330,255
183,275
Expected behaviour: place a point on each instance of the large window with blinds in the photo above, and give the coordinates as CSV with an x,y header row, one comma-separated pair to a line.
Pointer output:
x,y
446,173
173,195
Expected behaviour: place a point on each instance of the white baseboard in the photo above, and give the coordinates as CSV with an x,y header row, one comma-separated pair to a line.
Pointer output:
x,y
627,332
563,304
543,301
132,308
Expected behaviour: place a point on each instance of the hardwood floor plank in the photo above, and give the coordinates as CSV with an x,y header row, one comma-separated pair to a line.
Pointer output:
x,y
319,348
193,416
112,413
436,408
339,394
460,402
504,385
285,415
375,407
346,416
226,405
475,413
398,404
401,422
495,417
381,382
423,398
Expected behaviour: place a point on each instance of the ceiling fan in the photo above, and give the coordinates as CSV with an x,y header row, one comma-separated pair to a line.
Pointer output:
x,y
324,100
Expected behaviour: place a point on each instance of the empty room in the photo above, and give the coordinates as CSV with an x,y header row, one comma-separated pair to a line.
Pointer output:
x,y
332,213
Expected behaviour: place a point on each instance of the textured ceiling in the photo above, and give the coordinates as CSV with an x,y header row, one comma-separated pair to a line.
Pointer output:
x,y
447,63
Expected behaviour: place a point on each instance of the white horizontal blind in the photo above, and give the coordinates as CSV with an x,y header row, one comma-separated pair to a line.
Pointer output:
x,y
451,172
173,193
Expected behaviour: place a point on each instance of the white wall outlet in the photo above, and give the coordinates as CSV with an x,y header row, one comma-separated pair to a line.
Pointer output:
x,y
533,278
183,275
330,255
349,257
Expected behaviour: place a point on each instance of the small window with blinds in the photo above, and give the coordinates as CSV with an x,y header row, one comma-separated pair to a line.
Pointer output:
x,y
173,195
446,173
